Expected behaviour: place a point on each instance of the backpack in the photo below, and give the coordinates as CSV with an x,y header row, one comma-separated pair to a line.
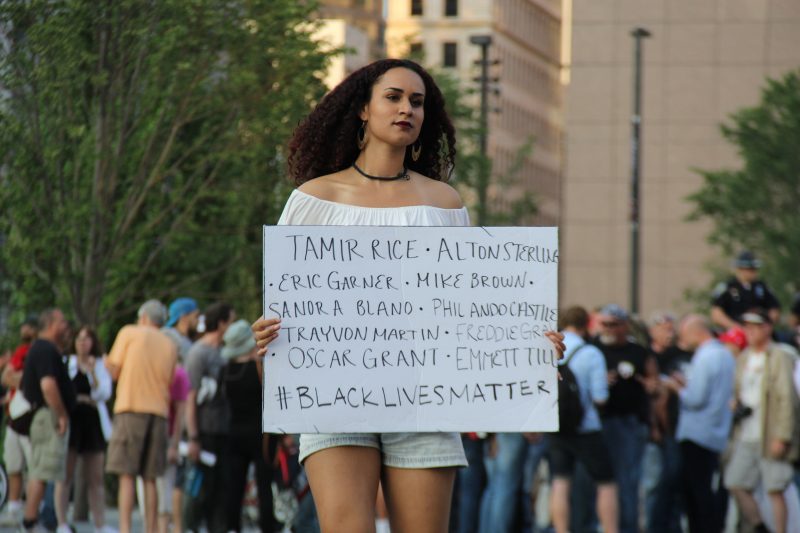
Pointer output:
x,y
570,408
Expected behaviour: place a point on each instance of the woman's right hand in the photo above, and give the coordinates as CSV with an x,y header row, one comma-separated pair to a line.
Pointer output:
x,y
265,331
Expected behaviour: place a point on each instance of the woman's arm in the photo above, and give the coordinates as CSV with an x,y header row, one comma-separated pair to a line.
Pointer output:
x,y
101,382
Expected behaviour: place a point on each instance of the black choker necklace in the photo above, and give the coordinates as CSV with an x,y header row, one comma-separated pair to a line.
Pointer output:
x,y
402,175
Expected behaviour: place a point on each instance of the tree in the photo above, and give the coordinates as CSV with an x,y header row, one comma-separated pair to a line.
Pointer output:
x,y
758,205
141,147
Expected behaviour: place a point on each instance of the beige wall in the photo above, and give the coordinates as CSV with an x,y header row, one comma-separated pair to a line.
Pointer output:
x,y
338,33
706,58
527,39
366,16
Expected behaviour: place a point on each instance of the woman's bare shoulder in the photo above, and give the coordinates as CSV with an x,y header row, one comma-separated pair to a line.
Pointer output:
x,y
440,194
326,187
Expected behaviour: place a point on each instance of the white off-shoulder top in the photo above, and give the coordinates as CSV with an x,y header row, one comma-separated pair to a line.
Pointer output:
x,y
306,210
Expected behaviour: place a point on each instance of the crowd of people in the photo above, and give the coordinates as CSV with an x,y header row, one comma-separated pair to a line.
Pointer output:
x,y
185,423
684,412
680,416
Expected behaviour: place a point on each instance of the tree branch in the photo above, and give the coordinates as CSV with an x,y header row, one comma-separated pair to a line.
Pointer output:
x,y
177,221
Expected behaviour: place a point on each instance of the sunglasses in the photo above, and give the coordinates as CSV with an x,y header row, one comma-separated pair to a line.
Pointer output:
x,y
610,324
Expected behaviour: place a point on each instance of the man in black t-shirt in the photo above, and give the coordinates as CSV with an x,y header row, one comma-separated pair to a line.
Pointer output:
x,y
741,293
47,387
626,413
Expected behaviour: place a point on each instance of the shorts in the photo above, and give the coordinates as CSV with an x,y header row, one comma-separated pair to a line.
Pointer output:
x,y
398,450
85,432
48,448
748,466
138,445
589,449
16,451
164,486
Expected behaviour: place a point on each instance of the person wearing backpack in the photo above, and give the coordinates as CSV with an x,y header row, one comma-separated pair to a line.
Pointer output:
x,y
583,370
207,425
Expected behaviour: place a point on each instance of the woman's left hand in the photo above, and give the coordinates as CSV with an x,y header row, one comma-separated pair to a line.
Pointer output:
x,y
265,331
557,339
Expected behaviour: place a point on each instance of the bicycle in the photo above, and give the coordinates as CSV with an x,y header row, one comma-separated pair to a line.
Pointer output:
x,y
3,486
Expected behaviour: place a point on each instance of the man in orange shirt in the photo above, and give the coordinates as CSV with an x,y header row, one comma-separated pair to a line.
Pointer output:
x,y
142,361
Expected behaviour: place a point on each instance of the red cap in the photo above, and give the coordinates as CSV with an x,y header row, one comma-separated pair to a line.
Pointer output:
x,y
736,337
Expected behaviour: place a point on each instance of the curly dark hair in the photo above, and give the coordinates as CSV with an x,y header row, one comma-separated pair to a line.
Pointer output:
x,y
325,142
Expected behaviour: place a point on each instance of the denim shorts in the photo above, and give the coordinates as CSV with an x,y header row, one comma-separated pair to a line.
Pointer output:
x,y
398,450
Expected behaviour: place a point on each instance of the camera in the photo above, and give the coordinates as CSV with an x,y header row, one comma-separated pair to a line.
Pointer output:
x,y
741,412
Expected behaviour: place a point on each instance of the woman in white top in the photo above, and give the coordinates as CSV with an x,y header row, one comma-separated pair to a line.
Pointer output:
x,y
377,151
90,427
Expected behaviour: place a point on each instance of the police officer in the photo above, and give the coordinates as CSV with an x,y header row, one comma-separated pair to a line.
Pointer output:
x,y
742,292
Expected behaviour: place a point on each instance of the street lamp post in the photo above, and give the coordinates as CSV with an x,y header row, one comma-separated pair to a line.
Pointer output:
x,y
484,41
636,158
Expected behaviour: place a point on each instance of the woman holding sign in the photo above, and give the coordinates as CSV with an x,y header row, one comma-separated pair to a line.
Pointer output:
x,y
377,151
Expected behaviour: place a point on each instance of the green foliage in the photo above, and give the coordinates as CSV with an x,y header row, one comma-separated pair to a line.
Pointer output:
x,y
141,147
757,207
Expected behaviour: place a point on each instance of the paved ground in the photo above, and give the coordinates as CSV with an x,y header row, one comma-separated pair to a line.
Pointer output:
x,y
112,519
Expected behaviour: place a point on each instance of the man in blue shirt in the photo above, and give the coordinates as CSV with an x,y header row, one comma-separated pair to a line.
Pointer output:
x,y
587,446
705,419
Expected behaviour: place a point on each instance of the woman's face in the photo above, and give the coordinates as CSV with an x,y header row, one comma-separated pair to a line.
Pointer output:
x,y
396,110
83,342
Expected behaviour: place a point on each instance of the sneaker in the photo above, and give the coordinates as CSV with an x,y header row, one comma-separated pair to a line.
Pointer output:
x,y
64,528
37,528
105,529
12,515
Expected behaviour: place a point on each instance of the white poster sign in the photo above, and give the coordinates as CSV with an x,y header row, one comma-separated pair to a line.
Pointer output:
x,y
395,329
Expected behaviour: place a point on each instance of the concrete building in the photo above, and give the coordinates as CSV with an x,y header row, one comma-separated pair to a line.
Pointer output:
x,y
526,39
354,24
338,33
704,60
366,15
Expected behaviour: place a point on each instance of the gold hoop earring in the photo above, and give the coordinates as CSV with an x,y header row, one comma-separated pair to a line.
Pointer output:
x,y
416,150
361,136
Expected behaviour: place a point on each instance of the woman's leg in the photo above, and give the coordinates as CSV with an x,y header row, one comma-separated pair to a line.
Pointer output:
x,y
344,483
418,499
62,489
95,487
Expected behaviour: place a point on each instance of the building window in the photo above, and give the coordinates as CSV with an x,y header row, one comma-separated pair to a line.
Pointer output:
x,y
449,55
416,8
415,50
451,8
